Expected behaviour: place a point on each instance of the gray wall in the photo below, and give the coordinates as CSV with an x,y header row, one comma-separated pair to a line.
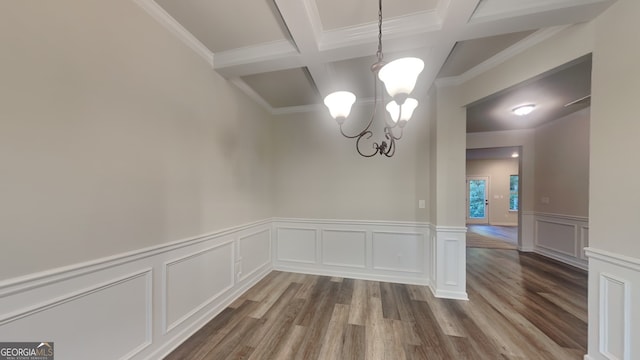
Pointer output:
x,y
114,136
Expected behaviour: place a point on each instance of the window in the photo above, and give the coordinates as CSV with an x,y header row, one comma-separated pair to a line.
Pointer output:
x,y
513,193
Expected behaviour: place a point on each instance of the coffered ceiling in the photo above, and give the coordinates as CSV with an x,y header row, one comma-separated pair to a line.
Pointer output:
x,y
288,54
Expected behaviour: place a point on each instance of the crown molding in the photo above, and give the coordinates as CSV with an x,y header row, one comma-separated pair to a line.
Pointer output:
x,y
499,58
171,24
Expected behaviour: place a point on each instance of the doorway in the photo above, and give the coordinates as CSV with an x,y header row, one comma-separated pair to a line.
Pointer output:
x,y
477,199
493,197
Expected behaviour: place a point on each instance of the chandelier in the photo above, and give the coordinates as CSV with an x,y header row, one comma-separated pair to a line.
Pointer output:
x,y
399,78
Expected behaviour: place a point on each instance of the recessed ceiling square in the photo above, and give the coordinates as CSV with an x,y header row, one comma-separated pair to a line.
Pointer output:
x,y
285,88
244,24
335,14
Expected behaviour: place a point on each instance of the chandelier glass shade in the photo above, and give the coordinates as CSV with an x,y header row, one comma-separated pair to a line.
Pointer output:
x,y
399,78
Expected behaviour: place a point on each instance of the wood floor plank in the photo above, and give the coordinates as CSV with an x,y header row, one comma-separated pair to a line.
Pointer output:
x,y
521,306
359,304
293,341
375,330
354,343
334,339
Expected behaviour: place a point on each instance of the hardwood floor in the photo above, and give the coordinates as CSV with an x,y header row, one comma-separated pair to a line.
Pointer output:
x,y
492,237
505,233
522,306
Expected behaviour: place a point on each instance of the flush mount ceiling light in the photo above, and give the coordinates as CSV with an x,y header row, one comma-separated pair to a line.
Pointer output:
x,y
523,110
515,155
399,78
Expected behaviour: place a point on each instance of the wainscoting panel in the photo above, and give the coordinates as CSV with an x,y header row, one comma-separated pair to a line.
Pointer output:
x,y
344,248
372,250
137,305
102,308
296,245
397,251
254,253
451,263
562,237
614,317
212,269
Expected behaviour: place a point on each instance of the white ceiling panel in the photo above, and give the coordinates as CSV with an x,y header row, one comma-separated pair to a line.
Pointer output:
x,y
335,14
224,25
469,53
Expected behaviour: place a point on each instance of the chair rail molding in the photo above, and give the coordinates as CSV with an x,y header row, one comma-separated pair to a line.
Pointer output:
x,y
149,301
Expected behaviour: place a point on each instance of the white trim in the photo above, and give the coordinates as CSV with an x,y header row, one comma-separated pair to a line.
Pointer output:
x,y
7,318
562,216
415,23
47,277
613,258
450,262
605,282
344,273
446,294
612,314
567,259
256,53
75,295
451,229
577,226
378,266
171,24
197,324
166,328
45,291
415,224
238,254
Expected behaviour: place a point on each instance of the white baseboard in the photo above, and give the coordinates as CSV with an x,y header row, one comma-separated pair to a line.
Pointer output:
x,y
569,260
614,316
147,301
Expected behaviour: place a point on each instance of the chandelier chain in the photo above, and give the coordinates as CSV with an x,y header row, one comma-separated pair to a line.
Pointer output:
x,y
379,53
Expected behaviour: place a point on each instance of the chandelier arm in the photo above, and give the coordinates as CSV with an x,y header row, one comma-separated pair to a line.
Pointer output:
x,y
375,145
388,133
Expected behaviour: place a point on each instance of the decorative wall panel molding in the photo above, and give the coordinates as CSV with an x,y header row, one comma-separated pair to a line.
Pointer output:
x,y
213,267
450,262
372,250
143,303
614,317
562,237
